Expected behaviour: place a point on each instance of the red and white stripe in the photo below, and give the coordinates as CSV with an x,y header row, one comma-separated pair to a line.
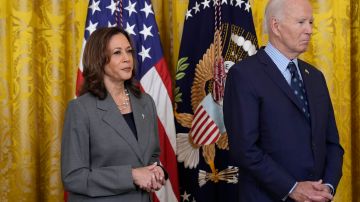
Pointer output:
x,y
204,130
157,83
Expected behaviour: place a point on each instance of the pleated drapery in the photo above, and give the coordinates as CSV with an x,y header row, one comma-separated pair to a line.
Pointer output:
x,y
40,47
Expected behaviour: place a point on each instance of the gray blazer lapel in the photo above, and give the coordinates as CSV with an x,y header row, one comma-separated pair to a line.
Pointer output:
x,y
141,117
114,119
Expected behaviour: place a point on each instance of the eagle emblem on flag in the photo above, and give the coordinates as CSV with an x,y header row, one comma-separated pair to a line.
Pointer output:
x,y
206,125
216,35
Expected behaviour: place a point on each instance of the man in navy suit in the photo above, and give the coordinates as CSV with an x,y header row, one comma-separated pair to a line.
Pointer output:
x,y
279,116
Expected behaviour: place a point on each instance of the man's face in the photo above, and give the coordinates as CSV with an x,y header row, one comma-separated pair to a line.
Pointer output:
x,y
295,27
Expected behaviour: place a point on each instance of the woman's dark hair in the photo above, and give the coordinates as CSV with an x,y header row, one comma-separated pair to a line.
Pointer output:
x,y
95,58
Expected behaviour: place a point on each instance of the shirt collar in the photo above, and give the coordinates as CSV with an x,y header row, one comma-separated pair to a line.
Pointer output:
x,y
278,58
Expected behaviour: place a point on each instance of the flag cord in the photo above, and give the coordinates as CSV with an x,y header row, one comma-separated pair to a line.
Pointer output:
x,y
219,69
119,13
218,29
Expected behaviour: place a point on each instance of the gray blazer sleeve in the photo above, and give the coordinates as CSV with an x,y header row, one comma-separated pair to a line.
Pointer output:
x,y
155,156
77,175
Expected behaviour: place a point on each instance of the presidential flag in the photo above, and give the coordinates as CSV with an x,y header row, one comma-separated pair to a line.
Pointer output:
x,y
137,18
216,34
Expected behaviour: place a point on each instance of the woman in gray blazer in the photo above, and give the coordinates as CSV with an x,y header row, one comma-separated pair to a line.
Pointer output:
x,y
110,147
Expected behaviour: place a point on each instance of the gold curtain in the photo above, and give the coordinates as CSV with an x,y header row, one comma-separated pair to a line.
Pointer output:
x,y
40,47
170,19
40,44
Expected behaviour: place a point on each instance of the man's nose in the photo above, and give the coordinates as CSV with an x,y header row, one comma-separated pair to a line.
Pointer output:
x,y
309,28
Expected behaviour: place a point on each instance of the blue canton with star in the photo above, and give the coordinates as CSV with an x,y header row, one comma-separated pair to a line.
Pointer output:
x,y
206,4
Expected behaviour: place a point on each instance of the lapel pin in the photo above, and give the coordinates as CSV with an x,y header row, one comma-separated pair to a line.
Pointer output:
x,y
307,71
143,116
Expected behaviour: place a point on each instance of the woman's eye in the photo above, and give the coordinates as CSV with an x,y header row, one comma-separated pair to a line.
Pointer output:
x,y
130,50
117,52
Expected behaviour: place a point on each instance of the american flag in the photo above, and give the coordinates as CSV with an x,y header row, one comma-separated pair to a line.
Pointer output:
x,y
206,126
204,58
137,18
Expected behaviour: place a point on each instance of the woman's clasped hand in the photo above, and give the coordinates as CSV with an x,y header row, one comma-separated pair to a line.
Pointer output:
x,y
150,178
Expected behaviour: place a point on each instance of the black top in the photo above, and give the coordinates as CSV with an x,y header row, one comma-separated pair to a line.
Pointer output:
x,y
129,118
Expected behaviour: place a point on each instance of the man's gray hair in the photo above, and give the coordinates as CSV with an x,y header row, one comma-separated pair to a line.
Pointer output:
x,y
274,8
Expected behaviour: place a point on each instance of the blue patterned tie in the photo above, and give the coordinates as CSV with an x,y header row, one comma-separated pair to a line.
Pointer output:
x,y
299,89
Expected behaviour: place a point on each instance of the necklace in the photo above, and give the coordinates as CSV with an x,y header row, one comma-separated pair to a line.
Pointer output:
x,y
122,106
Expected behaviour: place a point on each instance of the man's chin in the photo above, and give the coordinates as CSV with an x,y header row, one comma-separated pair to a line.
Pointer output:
x,y
303,48
304,45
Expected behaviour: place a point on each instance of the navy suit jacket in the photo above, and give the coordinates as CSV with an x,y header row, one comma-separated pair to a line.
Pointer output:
x,y
269,137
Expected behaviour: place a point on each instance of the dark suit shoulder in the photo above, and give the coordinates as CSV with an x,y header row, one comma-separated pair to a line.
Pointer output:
x,y
309,67
315,72
249,65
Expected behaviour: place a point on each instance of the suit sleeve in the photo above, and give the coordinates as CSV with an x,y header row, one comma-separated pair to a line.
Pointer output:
x,y
77,174
242,107
334,151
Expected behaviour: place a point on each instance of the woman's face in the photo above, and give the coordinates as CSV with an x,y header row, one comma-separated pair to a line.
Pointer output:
x,y
121,61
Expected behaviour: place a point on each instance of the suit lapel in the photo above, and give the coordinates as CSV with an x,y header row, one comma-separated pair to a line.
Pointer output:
x,y
140,118
275,75
308,80
114,119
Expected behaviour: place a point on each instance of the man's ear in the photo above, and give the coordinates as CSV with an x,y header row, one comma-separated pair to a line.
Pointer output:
x,y
274,26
